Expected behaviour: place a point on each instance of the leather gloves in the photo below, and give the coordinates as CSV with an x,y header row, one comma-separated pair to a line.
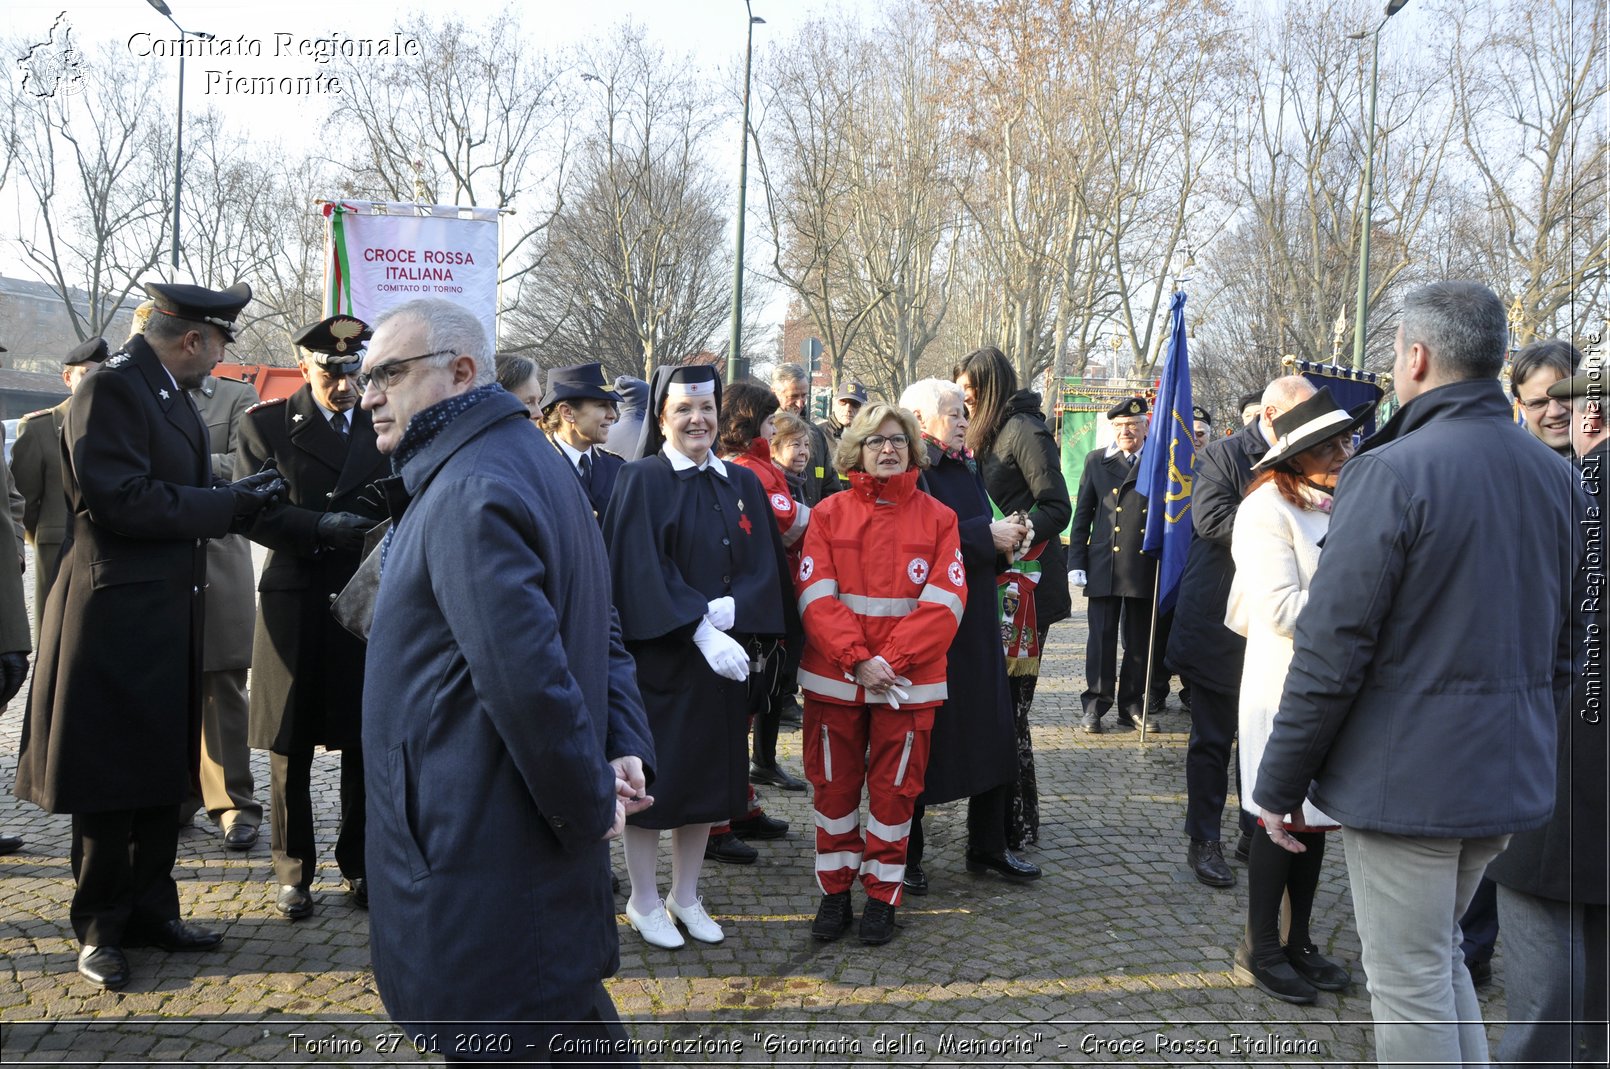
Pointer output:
x,y
724,655
253,494
343,530
13,670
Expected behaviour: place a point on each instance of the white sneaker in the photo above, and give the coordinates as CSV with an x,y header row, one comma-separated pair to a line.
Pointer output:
x,y
656,928
696,921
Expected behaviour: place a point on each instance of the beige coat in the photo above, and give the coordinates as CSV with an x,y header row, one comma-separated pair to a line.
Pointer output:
x,y
231,590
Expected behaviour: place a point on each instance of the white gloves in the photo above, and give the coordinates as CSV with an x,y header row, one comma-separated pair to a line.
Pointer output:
x,y
894,695
721,613
724,656
1078,578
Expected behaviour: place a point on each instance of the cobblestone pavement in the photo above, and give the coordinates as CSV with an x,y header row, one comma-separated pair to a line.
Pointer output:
x,y
1118,954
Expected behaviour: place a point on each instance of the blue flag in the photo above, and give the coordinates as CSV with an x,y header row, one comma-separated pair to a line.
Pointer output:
x,y
1168,463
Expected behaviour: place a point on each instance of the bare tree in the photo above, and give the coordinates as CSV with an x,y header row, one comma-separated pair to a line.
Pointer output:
x,y
636,267
477,117
1531,92
94,167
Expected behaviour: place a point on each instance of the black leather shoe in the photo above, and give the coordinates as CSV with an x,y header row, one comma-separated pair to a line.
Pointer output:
x,y
1322,973
1279,980
1091,724
916,880
293,901
241,837
1123,722
358,888
877,922
1481,973
105,966
1243,848
174,935
1005,863
833,917
1206,858
760,826
730,849
10,844
775,776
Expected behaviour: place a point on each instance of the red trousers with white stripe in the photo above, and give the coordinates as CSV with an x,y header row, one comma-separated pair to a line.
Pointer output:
x,y
846,747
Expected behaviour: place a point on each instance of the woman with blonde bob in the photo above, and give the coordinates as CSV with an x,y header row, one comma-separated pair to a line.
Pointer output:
x,y
881,589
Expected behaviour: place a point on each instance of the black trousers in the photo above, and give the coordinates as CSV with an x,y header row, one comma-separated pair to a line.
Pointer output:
x,y
123,872
1109,616
1214,718
986,824
295,847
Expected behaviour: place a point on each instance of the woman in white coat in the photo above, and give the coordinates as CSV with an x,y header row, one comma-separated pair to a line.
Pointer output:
x,y
1276,549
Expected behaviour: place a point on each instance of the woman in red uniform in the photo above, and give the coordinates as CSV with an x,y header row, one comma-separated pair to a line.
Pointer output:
x,y
881,591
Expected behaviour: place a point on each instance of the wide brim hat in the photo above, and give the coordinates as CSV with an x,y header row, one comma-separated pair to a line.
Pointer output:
x,y
687,378
1316,420
578,382
199,304
335,342
1587,382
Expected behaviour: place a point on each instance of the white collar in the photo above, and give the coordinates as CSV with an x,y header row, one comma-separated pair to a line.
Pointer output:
x,y
329,412
682,463
1113,450
574,455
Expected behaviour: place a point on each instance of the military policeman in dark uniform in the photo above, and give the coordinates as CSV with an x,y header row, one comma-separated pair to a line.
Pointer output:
x,y
307,671
578,408
113,730
36,469
1104,557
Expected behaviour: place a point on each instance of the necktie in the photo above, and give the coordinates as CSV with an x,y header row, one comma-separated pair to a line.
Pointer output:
x,y
1131,458
586,469
339,422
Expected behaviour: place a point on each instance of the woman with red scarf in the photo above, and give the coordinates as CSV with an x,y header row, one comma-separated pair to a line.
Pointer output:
x,y
882,589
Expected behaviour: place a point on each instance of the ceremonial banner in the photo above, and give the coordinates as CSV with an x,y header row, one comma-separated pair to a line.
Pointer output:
x,y
1168,462
380,254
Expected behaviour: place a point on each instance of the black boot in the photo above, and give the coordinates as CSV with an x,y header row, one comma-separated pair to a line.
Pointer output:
x,y
763,767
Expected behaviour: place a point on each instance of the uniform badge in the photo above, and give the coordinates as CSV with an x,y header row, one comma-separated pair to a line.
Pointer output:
x,y
958,577
806,567
117,361
162,394
743,522
297,418
780,502
740,504
917,571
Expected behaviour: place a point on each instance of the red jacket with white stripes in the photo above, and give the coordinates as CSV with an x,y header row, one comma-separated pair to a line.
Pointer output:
x,y
791,516
881,574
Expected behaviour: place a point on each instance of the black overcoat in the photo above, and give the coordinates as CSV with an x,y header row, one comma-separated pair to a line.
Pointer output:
x,y
307,670
1022,469
1109,524
974,742
677,541
114,714
1200,648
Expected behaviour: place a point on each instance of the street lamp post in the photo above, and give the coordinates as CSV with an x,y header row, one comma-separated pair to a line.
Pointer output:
x,y
1362,309
178,130
735,362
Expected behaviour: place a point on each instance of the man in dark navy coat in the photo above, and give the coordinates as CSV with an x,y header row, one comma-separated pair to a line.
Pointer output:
x,y
307,670
578,408
505,735
113,731
1104,557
